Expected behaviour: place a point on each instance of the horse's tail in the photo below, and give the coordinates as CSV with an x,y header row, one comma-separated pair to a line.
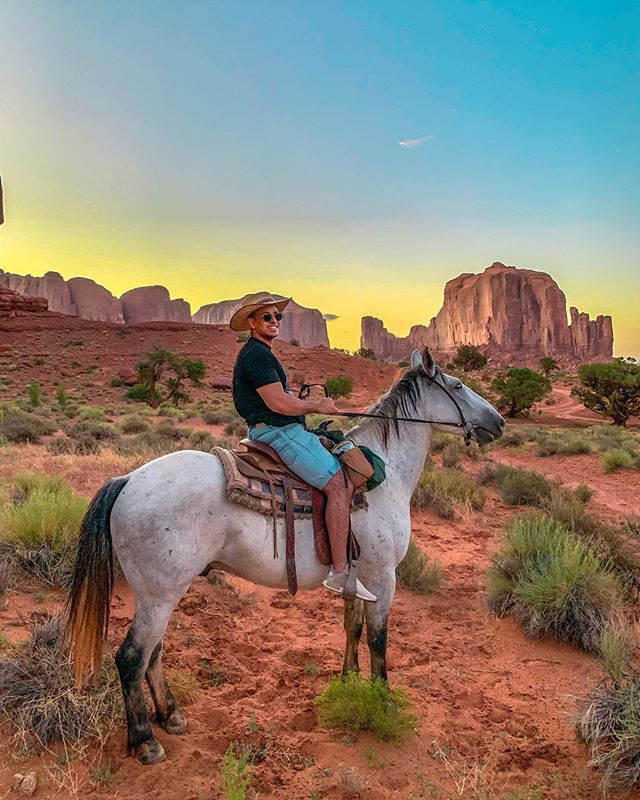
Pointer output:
x,y
88,605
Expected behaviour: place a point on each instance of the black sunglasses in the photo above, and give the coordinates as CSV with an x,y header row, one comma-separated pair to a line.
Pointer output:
x,y
268,316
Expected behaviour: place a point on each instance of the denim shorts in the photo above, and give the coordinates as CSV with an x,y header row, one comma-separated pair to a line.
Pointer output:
x,y
301,451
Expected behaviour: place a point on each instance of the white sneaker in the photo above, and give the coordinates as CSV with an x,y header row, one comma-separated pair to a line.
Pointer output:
x,y
335,582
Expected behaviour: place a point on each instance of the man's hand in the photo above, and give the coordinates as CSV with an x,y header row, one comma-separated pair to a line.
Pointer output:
x,y
326,405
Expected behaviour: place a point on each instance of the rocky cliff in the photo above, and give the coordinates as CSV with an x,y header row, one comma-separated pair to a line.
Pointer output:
x,y
304,325
512,314
14,304
153,303
84,298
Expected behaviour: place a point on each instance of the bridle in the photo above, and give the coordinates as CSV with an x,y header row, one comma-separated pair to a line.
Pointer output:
x,y
468,428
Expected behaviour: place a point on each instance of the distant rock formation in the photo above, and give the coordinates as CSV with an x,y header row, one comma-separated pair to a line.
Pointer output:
x,y
511,314
153,304
1,203
304,325
52,286
14,304
92,301
84,298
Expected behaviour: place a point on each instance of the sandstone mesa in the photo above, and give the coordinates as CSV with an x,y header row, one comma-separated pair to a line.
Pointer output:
x,y
509,313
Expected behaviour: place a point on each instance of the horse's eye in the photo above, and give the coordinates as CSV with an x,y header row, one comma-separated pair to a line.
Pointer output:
x,y
458,386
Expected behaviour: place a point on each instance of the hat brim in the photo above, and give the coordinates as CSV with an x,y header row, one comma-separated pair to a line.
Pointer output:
x,y
240,320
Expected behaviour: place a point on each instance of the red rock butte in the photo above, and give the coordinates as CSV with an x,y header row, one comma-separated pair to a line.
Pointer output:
x,y
512,315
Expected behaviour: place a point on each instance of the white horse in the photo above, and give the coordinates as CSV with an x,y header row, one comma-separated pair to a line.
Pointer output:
x,y
170,520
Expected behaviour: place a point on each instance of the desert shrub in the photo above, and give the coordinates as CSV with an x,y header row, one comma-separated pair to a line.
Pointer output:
x,y
6,575
368,352
35,394
517,486
25,483
39,533
94,413
611,389
201,440
519,390
184,686
148,444
100,431
235,775
548,365
417,572
217,416
439,441
514,437
138,392
162,376
445,488
616,459
452,453
569,443
20,427
583,493
237,427
339,386
134,423
469,358
39,696
61,445
606,540
243,336
356,704
168,428
553,583
61,396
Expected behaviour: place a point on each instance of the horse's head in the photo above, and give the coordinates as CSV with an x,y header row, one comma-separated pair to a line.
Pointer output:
x,y
450,401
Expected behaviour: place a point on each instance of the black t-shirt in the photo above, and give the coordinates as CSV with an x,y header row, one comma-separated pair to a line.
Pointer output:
x,y
257,366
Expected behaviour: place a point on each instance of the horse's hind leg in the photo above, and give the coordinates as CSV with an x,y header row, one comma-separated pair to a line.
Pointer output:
x,y
132,659
353,621
169,714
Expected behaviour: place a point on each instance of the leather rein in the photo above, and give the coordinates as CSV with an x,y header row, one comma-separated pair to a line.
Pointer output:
x,y
466,425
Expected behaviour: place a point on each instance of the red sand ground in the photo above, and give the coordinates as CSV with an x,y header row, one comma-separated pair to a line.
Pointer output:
x,y
494,708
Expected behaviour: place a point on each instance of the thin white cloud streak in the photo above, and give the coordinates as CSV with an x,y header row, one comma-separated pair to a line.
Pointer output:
x,y
414,142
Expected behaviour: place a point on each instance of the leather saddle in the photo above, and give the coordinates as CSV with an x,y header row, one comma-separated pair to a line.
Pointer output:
x,y
259,479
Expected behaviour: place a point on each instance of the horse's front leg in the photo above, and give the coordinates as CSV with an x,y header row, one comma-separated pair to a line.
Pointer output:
x,y
353,622
377,615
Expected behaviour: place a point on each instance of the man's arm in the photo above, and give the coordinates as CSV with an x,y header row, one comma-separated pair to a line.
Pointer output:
x,y
279,401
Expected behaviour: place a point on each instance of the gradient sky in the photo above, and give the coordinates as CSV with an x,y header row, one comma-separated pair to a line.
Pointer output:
x,y
221,148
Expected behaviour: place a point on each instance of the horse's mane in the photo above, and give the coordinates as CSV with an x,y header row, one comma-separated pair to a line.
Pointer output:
x,y
399,401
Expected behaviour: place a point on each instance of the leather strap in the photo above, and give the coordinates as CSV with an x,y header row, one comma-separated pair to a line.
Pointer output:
x,y
292,578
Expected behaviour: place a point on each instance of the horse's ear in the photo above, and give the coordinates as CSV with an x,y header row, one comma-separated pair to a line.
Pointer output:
x,y
416,360
428,364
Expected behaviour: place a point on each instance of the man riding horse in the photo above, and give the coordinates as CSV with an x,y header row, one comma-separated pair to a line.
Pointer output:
x,y
276,417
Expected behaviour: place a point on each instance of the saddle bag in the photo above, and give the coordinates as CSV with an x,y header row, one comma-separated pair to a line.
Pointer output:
x,y
358,466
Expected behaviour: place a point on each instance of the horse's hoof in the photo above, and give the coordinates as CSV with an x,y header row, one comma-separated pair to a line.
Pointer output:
x,y
151,753
176,725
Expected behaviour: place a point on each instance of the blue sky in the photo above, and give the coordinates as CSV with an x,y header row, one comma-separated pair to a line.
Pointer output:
x,y
221,148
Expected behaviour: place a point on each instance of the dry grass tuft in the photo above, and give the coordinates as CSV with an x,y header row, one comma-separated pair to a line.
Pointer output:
x,y
417,572
38,695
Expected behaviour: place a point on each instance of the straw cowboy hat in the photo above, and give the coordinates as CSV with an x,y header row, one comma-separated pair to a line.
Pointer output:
x,y
252,302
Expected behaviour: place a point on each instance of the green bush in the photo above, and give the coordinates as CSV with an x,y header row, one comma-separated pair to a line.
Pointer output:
x,y
139,392
92,413
168,428
521,487
616,459
25,483
469,358
553,583
417,572
445,488
237,427
235,775
611,389
40,532
61,396
548,365
521,388
35,394
452,453
201,440
357,705
339,386
217,416
148,445
569,443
